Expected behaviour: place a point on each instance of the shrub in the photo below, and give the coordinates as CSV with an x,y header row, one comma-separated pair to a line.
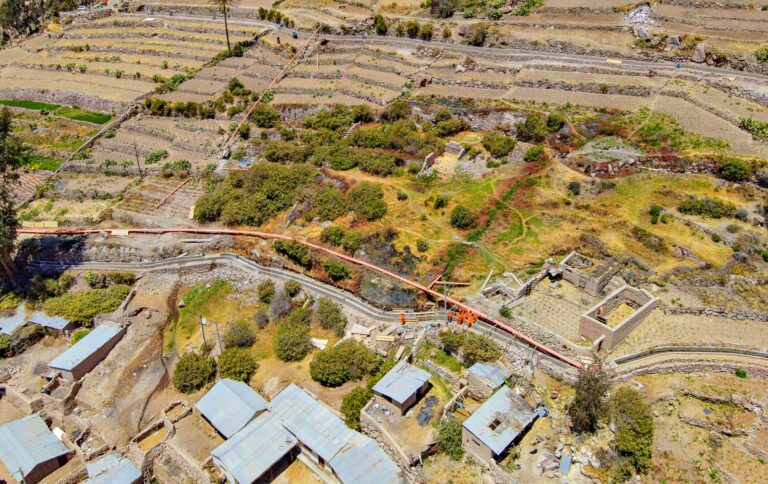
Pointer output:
x,y
450,127
741,373
280,305
412,28
332,235
589,405
401,195
329,204
707,207
239,334
422,245
504,311
5,346
479,348
452,341
449,439
382,165
461,217
758,129
476,34
80,308
237,364
574,188
266,290
398,110
367,199
534,153
261,318
734,170
633,440
353,403
156,156
497,143
292,341
125,278
532,129
79,334
265,116
442,8
96,280
762,179
440,202
291,288
427,31
329,316
555,121
193,372
352,241
761,54
654,212
336,270
380,24
295,251
349,360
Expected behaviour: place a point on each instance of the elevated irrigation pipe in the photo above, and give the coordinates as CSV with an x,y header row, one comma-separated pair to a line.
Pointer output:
x,y
266,235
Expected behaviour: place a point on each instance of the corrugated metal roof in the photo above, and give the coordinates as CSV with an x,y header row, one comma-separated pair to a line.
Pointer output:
x,y
84,348
500,419
112,469
12,323
26,443
362,461
401,382
310,421
495,372
54,322
255,448
230,405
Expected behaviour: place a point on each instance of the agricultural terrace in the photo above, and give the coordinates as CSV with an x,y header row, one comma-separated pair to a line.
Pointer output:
x,y
105,64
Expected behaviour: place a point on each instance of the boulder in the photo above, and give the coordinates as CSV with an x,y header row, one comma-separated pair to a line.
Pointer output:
x,y
565,132
700,54
673,41
642,33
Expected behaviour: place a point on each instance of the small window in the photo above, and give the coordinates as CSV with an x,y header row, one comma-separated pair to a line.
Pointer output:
x,y
496,422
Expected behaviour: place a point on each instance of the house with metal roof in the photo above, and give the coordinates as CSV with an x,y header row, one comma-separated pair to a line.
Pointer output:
x,y
112,469
58,324
402,386
9,324
259,451
230,405
29,450
297,425
84,355
485,378
498,423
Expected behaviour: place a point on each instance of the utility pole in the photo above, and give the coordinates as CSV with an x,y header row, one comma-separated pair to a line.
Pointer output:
x,y
218,337
202,330
136,153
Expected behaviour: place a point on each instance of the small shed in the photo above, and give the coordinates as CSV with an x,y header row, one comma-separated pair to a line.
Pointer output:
x,y
403,385
499,422
259,451
230,405
83,357
9,324
112,469
486,378
29,450
56,323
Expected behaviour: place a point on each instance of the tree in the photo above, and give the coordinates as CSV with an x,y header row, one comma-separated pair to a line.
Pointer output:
x,y
332,235
398,110
380,24
265,116
353,403
589,406
329,204
261,318
266,290
237,364
348,360
336,270
12,153
479,348
497,143
291,288
239,334
442,8
280,305
533,129
449,439
292,341
452,341
461,217
633,441
224,7
367,199
193,371
20,17
328,314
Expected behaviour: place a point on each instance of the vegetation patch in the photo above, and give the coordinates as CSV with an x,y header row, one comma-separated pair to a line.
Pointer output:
x,y
83,306
72,112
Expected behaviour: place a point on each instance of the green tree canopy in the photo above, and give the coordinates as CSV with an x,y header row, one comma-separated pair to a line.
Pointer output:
x,y
237,364
193,372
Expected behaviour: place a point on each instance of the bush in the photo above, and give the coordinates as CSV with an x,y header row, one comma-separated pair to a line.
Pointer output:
x,y
239,334
5,346
497,143
449,436
367,199
329,204
532,129
452,341
265,116
336,270
193,372
156,156
79,334
398,110
589,405
80,308
261,318
504,311
237,364
479,348
761,54
295,251
349,360
352,241
353,403
442,8
329,316
758,129
633,440
707,207
266,290
380,24
451,126
96,280
534,153
476,34
280,305
291,288
401,195
655,213
382,165
555,121
440,202
734,170
422,245
762,179
741,373
574,188
125,278
461,217
292,341
332,235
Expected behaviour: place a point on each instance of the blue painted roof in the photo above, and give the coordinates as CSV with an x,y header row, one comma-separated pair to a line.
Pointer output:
x,y
11,323
230,405
495,372
507,412
362,461
112,469
84,348
402,381
255,448
26,443
54,322
565,464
